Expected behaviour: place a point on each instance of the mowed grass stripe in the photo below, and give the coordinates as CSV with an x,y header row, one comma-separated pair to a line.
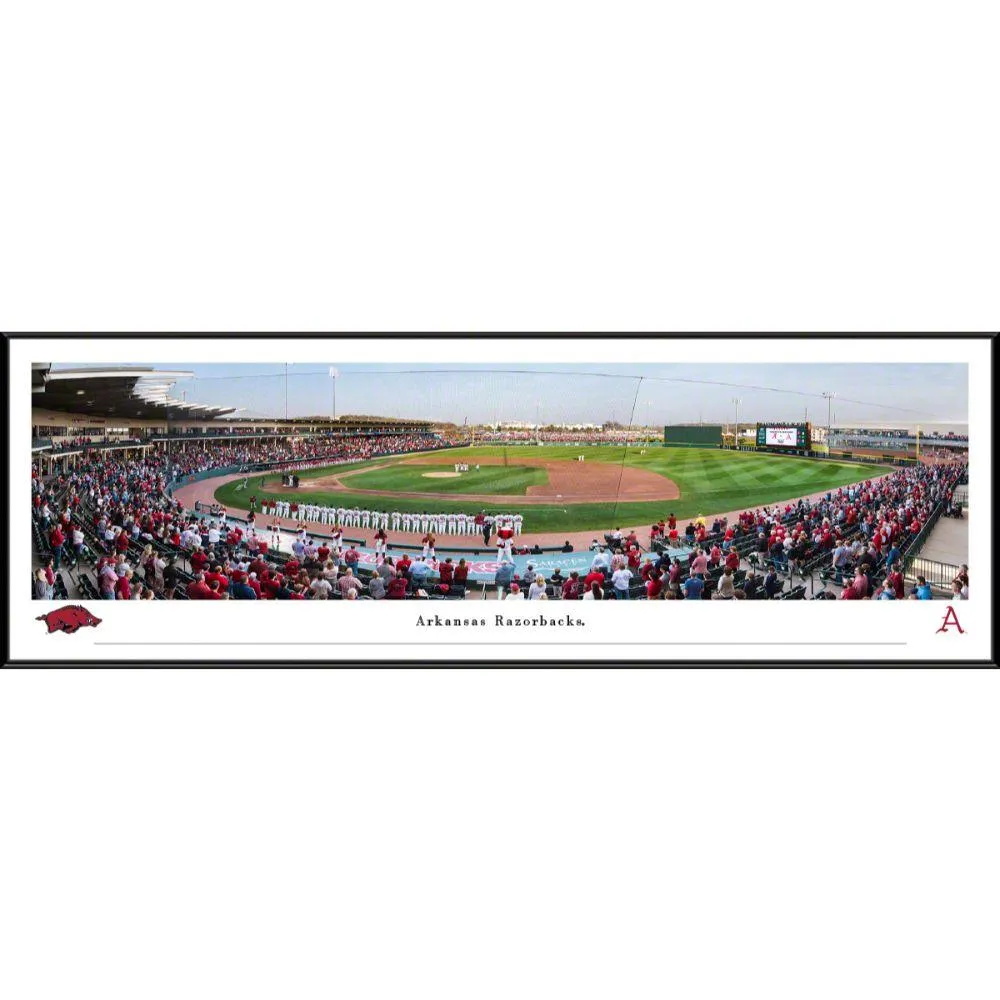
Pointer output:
x,y
710,480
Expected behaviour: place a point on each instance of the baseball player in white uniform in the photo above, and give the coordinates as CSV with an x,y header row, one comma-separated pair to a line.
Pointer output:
x,y
452,524
396,519
406,521
340,515
366,518
518,521
425,521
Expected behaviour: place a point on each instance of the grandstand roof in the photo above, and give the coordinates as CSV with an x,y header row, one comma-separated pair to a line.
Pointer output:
x,y
120,391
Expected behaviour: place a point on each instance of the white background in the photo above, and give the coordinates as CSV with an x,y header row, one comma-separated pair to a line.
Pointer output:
x,y
499,834
368,630
562,165
454,166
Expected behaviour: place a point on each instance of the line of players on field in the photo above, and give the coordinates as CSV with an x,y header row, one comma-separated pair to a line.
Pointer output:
x,y
353,517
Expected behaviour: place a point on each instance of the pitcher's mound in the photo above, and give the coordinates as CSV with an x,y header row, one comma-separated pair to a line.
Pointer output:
x,y
440,475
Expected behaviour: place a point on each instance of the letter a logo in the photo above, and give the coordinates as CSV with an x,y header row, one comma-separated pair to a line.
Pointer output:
x,y
950,618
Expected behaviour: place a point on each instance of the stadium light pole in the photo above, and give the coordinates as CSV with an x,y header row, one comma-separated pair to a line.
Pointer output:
x,y
333,379
829,397
736,436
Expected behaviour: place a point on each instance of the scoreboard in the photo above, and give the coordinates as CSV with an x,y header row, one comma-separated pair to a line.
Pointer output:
x,y
793,436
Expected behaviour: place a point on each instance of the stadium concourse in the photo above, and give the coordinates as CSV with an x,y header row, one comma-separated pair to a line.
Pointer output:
x,y
113,527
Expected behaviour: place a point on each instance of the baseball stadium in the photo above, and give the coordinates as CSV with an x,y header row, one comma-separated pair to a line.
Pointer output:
x,y
445,485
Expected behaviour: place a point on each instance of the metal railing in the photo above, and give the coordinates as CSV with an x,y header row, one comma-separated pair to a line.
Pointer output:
x,y
937,574
912,554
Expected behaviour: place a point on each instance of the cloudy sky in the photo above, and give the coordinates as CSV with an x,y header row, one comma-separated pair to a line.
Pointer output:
x,y
901,395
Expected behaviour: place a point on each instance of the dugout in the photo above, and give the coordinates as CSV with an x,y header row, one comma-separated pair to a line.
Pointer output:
x,y
693,435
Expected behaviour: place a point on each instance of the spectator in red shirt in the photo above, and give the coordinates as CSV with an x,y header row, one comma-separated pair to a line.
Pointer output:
x,y
571,588
594,576
654,586
216,576
461,572
732,560
446,571
397,587
198,561
198,590
56,540
348,581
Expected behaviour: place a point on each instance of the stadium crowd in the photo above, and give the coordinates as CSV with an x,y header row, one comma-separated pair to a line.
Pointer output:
x,y
594,435
298,453
115,515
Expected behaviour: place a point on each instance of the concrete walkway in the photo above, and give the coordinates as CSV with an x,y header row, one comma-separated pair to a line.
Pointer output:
x,y
948,541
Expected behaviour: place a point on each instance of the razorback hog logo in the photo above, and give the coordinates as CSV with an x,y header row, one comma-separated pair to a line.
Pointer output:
x,y
69,619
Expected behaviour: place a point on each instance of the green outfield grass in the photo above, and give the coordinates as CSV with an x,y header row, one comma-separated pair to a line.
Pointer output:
x,y
711,481
512,480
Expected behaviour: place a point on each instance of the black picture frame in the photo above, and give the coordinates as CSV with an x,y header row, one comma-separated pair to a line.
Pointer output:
x,y
499,663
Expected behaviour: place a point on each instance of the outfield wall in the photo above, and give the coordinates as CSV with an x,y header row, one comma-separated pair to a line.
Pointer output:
x,y
693,435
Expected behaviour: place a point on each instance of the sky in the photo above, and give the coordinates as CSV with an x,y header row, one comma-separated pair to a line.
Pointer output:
x,y
902,395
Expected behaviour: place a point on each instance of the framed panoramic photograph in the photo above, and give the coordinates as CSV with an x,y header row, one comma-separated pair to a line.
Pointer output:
x,y
500,499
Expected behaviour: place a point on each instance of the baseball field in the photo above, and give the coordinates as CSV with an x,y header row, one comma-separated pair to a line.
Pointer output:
x,y
612,486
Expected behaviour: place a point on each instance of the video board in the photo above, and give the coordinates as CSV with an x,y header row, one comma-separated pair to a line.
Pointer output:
x,y
795,436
